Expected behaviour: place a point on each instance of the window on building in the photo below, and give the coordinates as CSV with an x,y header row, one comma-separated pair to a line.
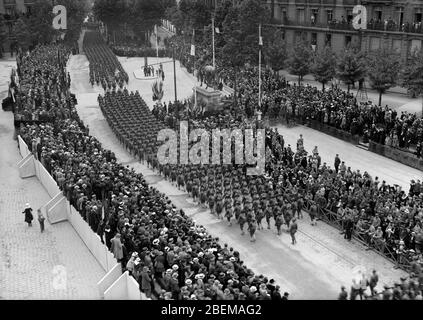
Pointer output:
x,y
374,43
418,15
396,45
328,40
400,15
350,15
313,38
314,15
415,46
377,14
284,16
329,15
347,40
301,15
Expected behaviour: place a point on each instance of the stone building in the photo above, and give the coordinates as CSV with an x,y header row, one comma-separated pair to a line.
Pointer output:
x,y
394,24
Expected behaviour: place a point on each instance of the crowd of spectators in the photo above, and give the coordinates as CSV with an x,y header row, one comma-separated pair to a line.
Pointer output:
x,y
105,68
154,241
42,94
333,107
366,287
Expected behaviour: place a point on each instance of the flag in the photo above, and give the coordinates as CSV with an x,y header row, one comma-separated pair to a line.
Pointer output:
x,y
217,30
12,93
261,42
193,43
155,30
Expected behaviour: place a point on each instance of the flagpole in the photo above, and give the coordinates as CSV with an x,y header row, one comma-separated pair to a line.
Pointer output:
x,y
195,88
214,50
157,43
260,44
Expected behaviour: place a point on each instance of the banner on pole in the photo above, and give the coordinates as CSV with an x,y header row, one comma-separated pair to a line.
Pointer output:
x,y
193,50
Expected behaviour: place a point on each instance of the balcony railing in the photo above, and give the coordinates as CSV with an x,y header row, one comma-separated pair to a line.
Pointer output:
x,y
389,26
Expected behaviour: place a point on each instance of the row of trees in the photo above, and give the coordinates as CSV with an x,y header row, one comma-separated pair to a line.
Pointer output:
x,y
36,28
382,67
238,44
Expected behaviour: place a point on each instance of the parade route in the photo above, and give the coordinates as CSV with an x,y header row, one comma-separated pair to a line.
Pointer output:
x,y
315,268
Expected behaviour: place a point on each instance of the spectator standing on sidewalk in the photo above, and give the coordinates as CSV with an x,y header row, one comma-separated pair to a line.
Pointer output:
x,y
28,215
41,220
374,278
117,247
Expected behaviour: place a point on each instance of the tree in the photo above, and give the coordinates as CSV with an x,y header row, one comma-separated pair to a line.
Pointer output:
x,y
111,12
383,68
300,60
3,34
350,66
413,75
147,14
22,34
77,10
233,38
275,50
40,22
251,14
323,66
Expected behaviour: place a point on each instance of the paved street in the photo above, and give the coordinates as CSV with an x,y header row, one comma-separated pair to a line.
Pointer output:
x,y
29,259
315,268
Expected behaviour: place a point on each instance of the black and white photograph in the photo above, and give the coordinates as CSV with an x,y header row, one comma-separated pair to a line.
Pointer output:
x,y
211,157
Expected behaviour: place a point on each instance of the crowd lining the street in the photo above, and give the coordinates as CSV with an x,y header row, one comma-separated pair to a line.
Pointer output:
x,y
153,239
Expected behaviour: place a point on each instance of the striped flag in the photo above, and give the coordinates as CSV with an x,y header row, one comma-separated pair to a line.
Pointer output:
x,y
261,42
217,30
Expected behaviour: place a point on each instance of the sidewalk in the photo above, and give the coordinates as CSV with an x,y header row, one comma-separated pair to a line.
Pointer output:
x,y
31,262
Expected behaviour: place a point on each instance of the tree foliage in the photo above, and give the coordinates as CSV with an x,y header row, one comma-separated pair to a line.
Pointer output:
x,y
3,33
275,50
40,22
21,32
413,74
351,66
111,12
323,66
77,10
383,68
299,61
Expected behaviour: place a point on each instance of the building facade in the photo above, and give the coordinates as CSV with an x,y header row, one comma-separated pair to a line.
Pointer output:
x,y
393,24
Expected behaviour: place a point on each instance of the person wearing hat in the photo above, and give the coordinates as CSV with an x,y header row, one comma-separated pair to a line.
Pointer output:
x,y
343,295
117,247
374,279
28,214
146,281
159,264
41,220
